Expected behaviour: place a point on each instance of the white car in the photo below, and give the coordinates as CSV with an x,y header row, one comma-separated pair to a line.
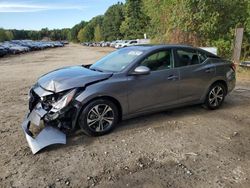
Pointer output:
x,y
126,43
120,44
245,64
113,44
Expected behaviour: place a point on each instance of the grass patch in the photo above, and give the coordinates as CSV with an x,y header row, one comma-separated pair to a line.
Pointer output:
x,y
243,73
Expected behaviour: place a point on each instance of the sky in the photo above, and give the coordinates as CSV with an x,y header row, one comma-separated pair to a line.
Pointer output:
x,y
53,14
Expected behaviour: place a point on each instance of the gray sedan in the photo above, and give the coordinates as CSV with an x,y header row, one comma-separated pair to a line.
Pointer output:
x,y
126,83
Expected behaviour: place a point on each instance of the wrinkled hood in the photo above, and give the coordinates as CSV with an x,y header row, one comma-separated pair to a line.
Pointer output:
x,y
70,77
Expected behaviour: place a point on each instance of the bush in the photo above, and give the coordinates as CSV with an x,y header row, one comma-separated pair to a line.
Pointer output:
x,y
224,48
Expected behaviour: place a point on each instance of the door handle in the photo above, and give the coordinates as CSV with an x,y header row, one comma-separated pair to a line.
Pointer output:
x,y
209,70
172,77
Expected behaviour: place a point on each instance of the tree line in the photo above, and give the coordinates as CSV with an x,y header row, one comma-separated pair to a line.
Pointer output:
x,y
194,22
13,34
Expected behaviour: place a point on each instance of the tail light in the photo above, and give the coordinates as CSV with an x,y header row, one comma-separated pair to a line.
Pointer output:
x,y
233,66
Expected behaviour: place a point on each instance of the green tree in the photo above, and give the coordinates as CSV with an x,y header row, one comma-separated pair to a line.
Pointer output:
x,y
98,34
34,35
135,23
85,34
81,36
89,33
75,30
3,35
112,21
196,22
44,32
9,35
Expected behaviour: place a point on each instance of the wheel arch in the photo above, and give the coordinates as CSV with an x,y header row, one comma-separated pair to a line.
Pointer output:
x,y
223,82
220,80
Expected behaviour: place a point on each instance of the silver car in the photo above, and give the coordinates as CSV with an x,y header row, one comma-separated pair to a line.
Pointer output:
x,y
126,83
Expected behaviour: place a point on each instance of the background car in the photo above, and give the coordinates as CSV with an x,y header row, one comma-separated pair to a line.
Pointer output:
x,y
127,43
15,48
22,46
245,64
3,51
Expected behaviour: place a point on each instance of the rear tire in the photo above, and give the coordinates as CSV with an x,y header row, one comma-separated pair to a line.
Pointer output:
x,y
99,117
215,96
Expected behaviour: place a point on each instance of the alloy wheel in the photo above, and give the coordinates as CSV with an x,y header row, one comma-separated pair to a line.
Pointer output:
x,y
100,117
216,96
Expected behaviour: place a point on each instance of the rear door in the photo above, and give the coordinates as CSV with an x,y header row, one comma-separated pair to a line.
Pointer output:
x,y
159,88
195,73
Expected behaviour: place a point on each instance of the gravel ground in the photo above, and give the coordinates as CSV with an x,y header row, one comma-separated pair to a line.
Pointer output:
x,y
186,147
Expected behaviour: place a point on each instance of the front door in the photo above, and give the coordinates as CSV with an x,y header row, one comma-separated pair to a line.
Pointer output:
x,y
158,89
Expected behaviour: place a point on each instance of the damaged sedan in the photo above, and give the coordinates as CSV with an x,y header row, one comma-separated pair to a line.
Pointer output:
x,y
126,83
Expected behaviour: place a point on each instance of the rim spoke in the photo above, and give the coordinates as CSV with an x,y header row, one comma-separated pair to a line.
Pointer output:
x,y
91,122
216,102
96,111
100,127
214,92
219,89
108,119
106,110
211,100
220,97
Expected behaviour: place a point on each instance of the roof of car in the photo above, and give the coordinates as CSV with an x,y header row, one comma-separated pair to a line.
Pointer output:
x,y
156,46
146,47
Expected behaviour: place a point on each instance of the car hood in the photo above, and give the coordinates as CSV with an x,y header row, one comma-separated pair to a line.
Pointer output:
x,y
70,77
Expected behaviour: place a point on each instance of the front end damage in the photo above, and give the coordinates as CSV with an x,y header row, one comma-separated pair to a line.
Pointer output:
x,y
52,105
51,116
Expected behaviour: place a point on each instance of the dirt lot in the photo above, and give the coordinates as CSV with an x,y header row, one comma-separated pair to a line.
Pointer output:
x,y
187,147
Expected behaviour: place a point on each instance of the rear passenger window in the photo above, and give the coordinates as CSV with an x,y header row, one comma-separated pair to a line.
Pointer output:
x,y
187,57
202,57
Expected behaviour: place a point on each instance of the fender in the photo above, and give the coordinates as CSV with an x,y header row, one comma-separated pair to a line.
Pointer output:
x,y
218,78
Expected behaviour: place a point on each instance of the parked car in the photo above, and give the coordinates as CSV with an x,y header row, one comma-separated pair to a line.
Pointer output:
x,y
120,44
22,46
127,83
85,43
98,44
112,44
245,64
26,43
3,51
14,48
65,42
106,44
126,44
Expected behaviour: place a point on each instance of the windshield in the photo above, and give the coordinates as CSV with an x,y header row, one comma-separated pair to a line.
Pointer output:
x,y
116,61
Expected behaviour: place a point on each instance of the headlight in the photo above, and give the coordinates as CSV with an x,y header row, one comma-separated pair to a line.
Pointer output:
x,y
64,101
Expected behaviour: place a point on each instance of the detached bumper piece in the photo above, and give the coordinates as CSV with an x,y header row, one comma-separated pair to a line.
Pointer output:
x,y
47,136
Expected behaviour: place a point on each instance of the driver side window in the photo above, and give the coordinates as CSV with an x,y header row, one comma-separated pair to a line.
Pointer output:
x,y
159,60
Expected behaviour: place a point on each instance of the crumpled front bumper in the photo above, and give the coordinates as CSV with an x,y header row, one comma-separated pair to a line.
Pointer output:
x,y
48,136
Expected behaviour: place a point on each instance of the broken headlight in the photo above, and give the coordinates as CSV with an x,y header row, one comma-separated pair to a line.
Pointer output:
x,y
63,101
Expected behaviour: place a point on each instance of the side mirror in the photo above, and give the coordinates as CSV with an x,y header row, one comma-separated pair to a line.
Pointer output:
x,y
141,70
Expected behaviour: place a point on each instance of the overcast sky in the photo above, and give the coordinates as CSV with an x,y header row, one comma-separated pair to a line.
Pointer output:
x,y
37,14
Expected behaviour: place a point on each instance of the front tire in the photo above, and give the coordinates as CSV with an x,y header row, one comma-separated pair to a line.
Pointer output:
x,y
99,117
215,96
